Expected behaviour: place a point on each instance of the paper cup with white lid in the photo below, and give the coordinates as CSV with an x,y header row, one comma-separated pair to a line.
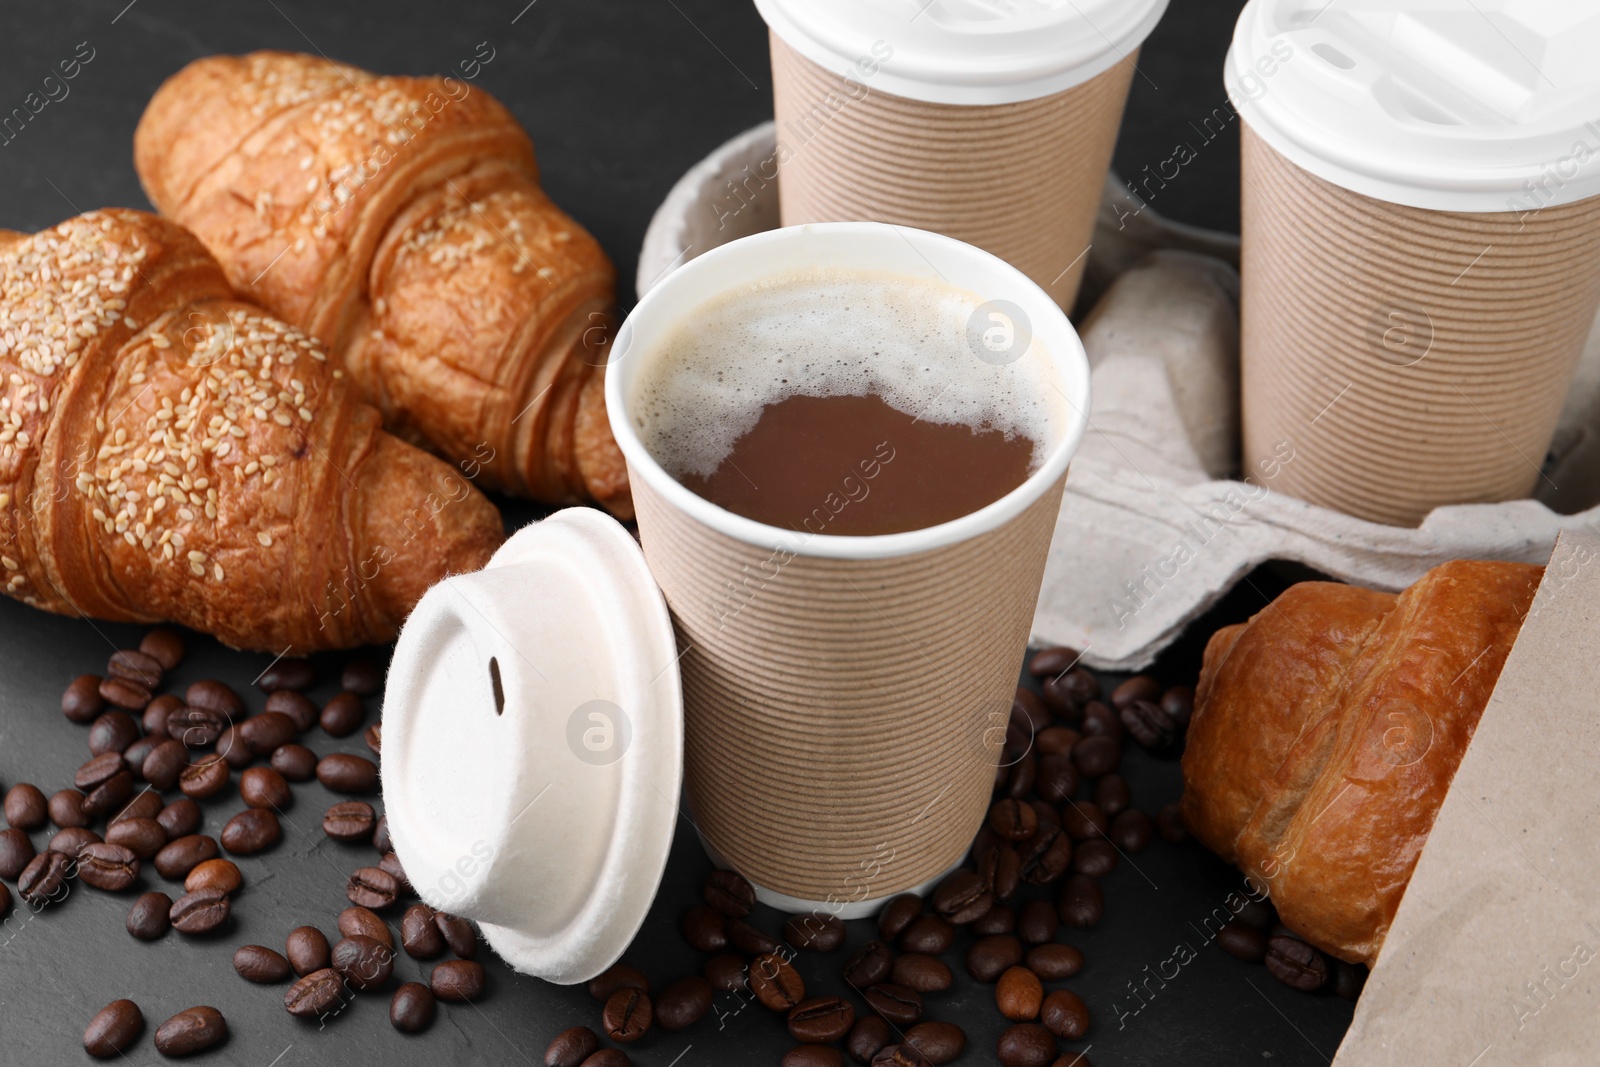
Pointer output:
x,y
843,725
992,123
532,745
1421,243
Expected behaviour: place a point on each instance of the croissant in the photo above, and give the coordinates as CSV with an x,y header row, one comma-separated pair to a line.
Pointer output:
x,y
400,221
170,452
1327,729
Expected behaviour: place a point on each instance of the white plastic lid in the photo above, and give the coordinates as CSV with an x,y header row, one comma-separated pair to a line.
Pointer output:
x,y
1453,105
964,51
533,745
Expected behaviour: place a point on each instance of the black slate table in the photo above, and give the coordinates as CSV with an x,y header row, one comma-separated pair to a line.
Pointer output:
x,y
621,97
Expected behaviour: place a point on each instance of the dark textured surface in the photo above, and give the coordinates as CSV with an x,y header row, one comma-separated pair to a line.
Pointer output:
x,y
621,97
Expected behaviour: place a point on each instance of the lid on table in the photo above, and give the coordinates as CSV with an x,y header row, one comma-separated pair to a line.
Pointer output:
x,y
1452,105
533,745
964,51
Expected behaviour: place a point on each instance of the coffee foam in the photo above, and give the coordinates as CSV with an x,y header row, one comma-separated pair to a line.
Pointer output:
x,y
835,333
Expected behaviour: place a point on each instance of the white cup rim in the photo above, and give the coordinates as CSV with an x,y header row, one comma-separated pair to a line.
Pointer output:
x,y
1050,326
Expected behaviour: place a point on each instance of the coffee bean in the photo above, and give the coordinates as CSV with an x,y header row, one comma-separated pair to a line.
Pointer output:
x,y
1000,919
204,778
1296,964
191,1030
571,1047
1101,720
1132,830
617,976
135,666
263,787
1065,1015
1052,661
1139,687
198,727
107,867
184,854
296,707
899,1005
1082,903
149,917
821,1019
374,738
364,922
26,807
1179,703
683,1003
82,701
362,677
819,932
16,852
1094,756
157,713
729,893
867,1038
136,753
939,1042
1054,962
179,819
1072,1059
146,804
1038,922
219,874
380,835
215,696
1001,868
113,731
98,770
726,973
268,731
307,950
296,763
251,831
342,715
961,897
1112,795
870,965
372,887
1018,994
164,763
44,880
928,933
70,840
922,973
109,795
411,1010
750,940
462,980
1029,711
1095,858
66,809
776,984
200,912
705,928
1348,979
1054,741
124,693
418,934
1257,914
1150,726
232,747
463,939
142,837
897,915
1242,942
315,993
627,1015
1057,779
1026,1045
989,957
257,963
164,646
391,864
1169,824
1047,857
812,1056
113,1028
287,673
1016,779
1081,685
364,962
344,773
1013,819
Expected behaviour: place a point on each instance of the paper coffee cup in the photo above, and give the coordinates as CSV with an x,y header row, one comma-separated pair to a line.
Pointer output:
x,y
996,129
844,712
1421,247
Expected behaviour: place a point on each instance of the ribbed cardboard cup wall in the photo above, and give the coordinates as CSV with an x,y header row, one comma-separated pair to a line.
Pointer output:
x,y
1020,180
843,718
1412,358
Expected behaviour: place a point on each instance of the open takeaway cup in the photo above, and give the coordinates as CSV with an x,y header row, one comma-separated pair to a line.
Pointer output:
x,y
989,122
1421,256
846,697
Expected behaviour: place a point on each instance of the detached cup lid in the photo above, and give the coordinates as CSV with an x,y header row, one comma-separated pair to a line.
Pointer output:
x,y
964,51
1452,105
533,745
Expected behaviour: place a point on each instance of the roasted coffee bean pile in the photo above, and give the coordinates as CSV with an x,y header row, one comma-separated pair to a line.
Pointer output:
x,y
1061,819
143,744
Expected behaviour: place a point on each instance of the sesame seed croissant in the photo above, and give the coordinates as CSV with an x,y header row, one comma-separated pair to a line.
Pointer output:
x,y
171,452
400,221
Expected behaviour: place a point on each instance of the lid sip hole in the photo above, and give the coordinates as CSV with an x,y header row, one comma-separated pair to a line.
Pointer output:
x,y
499,689
1333,56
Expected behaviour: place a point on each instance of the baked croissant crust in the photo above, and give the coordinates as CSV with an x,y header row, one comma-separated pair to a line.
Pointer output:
x,y
170,452
400,221
1327,729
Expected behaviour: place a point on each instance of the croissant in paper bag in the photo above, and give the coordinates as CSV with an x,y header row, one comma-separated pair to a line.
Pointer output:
x,y
1327,729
